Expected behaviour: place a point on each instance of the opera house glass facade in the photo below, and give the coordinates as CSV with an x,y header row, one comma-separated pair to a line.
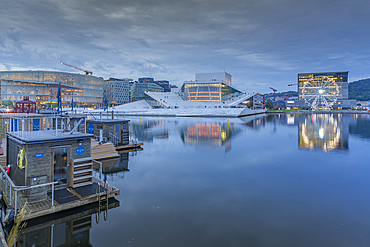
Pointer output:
x,y
42,87
214,91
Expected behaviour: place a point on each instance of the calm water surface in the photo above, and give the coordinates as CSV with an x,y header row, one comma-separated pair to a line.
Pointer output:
x,y
272,180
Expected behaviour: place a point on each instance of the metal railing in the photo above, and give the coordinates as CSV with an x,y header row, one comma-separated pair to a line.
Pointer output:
x,y
113,139
19,125
16,196
105,115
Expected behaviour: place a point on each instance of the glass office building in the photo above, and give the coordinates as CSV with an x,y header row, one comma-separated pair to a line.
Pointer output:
x,y
341,78
42,87
138,90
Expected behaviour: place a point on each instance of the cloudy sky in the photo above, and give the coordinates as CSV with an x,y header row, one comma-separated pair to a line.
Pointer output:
x,y
261,43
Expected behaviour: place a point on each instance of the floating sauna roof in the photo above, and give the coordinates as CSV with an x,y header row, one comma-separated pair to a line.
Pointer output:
x,y
28,137
107,121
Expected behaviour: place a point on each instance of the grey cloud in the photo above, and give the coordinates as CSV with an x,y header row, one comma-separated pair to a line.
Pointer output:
x,y
260,41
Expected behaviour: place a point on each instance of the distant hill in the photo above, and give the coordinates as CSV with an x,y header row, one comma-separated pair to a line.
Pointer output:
x,y
289,93
359,90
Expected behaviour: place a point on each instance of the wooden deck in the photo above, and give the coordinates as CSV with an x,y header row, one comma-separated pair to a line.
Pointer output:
x,y
103,151
130,146
42,208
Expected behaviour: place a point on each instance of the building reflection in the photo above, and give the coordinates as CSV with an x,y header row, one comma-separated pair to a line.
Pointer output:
x,y
71,229
147,130
360,126
255,122
114,169
323,132
209,135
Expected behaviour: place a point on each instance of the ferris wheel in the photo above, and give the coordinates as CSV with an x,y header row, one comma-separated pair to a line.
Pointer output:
x,y
320,92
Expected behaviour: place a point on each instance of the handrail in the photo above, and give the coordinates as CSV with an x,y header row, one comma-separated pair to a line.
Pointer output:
x,y
7,177
17,124
113,138
21,188
18,188
101,167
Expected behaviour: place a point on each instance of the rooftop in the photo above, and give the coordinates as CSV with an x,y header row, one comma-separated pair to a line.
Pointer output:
x,y
28,137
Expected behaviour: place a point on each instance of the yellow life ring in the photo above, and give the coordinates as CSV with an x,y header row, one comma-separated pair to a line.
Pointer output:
x,y
20,158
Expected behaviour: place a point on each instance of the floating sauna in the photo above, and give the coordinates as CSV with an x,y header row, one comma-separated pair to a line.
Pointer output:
x,y
105,130
52,169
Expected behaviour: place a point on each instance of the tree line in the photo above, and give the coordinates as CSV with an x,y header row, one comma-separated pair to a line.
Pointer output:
x,y
359,90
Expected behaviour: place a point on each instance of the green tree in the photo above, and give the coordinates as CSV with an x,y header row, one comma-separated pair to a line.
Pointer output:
x,y
269,105
7,103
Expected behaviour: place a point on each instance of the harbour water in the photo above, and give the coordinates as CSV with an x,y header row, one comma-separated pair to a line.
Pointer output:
x,y
267,180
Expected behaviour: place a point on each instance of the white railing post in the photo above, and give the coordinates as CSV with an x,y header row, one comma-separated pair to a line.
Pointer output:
x,y
52,196
15,203
10,194
22,127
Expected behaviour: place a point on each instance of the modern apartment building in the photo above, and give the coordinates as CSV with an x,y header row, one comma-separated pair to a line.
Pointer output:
x,y
117,91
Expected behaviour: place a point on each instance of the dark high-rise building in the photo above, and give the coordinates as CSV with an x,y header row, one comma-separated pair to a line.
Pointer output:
x,y
146,80
164,84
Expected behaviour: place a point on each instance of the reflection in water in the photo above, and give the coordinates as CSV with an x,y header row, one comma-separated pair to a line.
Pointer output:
x,y
209,134
322,131
255,122
146,130
360,126
72,229
113,169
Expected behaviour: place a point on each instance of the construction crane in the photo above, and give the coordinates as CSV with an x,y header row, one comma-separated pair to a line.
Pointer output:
x,y
273,89
86,71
